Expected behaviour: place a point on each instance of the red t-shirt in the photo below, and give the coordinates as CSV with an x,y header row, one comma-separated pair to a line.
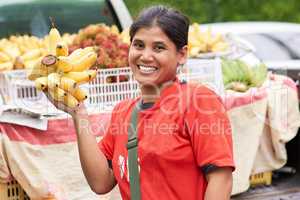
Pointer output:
x,y
185,131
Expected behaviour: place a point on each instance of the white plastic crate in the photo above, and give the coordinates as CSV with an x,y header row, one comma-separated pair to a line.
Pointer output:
x,y
205,71
102,93
15,87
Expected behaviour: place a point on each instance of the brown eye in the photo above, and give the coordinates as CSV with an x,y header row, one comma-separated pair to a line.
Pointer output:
x,y
138,44
159,47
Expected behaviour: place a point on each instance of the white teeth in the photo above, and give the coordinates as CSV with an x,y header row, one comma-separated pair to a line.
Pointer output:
x,y
147,69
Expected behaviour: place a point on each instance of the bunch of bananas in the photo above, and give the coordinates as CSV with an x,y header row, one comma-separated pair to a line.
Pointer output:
x,y
204,41
23,51
60,73
18,52
239,76
111,50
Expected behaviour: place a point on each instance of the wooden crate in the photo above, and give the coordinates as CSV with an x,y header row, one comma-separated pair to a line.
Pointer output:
x,y
264,178
12,191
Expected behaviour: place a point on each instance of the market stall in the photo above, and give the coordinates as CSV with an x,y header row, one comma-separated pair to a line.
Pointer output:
x,y
263,111
46,162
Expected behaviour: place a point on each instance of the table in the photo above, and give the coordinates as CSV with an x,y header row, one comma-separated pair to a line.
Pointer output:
x,y
46,162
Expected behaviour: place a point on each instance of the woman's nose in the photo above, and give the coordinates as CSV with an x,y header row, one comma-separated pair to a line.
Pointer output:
x,y
147,55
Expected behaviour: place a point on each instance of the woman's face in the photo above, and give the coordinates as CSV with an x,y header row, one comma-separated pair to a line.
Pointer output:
x,y
153,57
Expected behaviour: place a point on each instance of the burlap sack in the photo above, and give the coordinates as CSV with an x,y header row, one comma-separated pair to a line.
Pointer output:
x,y
247,119
282,123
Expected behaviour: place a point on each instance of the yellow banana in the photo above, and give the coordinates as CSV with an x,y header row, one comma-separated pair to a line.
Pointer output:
x,y
76,54
70,101
50,62
194,51
125,36
67,84
4,57
27,42
62,49
32,54
53,80
41,83
79,94
12,50
44,51
68,38
64,64
37,71
218,38
34,41
6,66
30,63
54,39
220,46
46,43
80,52
81,77
85,62
19,63
14,39
114,29
23,49
57,94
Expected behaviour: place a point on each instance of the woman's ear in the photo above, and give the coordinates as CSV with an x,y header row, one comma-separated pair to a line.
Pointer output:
x,y
182,55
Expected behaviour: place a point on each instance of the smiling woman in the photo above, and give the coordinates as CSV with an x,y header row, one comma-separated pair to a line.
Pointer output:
x,y
174,140
168,145
154,60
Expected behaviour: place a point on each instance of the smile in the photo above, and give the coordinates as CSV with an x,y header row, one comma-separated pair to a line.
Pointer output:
x,y
147,69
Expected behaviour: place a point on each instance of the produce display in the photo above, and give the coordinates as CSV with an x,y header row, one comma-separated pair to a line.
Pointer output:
x,y
204,42
21,52
18,52
60,73
60,63
239,76
112,51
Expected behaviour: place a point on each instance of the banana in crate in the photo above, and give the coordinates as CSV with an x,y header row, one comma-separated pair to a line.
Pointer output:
x,y
20,52
201,42
61,74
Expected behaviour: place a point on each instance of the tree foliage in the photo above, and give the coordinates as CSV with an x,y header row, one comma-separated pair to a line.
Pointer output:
x,y
207,11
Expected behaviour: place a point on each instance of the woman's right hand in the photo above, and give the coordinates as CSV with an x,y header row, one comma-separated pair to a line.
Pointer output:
x,y
74,112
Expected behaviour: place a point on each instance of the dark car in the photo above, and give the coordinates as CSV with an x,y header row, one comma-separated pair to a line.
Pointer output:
x,y
34,17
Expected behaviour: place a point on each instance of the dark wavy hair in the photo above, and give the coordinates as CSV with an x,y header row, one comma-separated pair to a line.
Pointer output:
x,y
172,22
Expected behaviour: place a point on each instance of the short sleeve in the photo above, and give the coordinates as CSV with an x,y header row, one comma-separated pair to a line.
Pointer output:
x,y
106,144
208,126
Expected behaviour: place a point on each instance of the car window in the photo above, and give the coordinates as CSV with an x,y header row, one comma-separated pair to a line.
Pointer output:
x,y
290,40
277,46
32,17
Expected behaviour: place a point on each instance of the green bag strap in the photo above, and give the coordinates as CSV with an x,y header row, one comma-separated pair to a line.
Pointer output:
x,y
132,144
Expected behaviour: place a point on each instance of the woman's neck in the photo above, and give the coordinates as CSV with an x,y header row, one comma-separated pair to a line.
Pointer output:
x,y
150,93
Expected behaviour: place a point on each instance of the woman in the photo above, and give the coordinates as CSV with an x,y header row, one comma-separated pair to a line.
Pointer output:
x,y
184,137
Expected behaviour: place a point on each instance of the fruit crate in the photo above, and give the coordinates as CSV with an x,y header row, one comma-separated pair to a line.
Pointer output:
x,y
110,85
12,191
263,178
14,86
108,88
